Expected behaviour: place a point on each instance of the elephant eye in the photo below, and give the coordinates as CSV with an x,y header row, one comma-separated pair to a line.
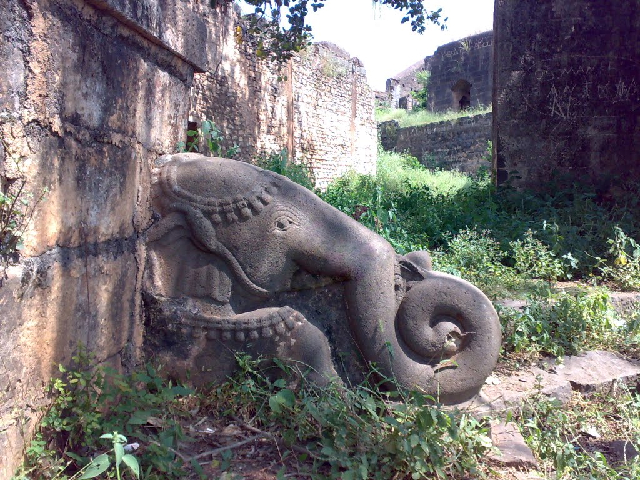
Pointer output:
x,y
283,223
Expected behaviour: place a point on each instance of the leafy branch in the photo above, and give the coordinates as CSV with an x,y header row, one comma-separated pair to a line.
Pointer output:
x,y
280,43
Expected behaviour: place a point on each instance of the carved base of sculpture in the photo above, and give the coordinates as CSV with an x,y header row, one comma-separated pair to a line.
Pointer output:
x,y
241,259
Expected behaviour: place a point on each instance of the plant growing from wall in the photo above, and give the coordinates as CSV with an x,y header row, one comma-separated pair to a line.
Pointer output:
x,y
421,96
211,135
279,163
17,207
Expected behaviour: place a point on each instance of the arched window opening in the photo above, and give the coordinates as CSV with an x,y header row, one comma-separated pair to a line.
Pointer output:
x,y
461,91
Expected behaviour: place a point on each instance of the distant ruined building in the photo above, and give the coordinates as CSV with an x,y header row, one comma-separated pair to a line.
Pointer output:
x,y
461,76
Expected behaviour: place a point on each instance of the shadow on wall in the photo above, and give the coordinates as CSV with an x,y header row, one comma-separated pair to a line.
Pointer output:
x,y
115,102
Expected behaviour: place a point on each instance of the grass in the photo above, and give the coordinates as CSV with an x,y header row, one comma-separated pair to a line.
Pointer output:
x,y
412,118
575,441
480,233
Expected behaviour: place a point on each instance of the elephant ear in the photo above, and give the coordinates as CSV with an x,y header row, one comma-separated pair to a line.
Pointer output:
x,y
203,191
205,235
415,266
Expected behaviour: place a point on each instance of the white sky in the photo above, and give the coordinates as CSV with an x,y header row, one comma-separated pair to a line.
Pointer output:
x,y
384,45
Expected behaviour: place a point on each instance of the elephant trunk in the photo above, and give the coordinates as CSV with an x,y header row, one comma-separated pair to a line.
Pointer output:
x,y
443,340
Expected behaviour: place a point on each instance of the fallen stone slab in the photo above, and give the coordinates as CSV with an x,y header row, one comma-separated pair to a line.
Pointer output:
x,y
514,452
510,392
595,371
599,371
626,303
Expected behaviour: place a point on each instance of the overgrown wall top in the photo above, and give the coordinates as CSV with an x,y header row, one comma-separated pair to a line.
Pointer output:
x,y
318,106
469,59
566,94
459,144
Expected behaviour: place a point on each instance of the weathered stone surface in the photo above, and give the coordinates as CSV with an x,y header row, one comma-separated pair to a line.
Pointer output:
x,y
91,92
622,451
566,95
322,112
514,452
596,371
231,238
47,307
399,88
512,391
469,59
85,103
166,22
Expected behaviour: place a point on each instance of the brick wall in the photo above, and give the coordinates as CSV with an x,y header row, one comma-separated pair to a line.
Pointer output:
x,y
319,107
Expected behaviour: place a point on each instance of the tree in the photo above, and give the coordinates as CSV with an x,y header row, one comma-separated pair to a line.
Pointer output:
x,y
280,43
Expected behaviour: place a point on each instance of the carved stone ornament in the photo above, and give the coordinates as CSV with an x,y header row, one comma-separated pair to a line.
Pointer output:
x,y
244,260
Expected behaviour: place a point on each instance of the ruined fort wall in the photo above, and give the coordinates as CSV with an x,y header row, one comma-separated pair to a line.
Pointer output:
x,y
91,92
566,94
87,101
400,86
469,59
318,106
459,144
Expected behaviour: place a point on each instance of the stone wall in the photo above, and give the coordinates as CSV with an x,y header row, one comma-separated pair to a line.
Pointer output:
x,y
469,59
567,94
399,88
87,101
459,144
319,107
92,91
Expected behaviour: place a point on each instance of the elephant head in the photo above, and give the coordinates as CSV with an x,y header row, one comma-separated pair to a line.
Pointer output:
x,y
427,330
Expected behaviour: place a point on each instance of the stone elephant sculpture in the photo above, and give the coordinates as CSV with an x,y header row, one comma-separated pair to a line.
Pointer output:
x,y
229,238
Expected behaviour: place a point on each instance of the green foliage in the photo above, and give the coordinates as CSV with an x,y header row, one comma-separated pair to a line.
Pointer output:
x,y
534,259
17,207
87,401
412,118
280,164
101,463
279,43
210,134
559,435
566,324
422,96
12,222
623,265
359,432
523,235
